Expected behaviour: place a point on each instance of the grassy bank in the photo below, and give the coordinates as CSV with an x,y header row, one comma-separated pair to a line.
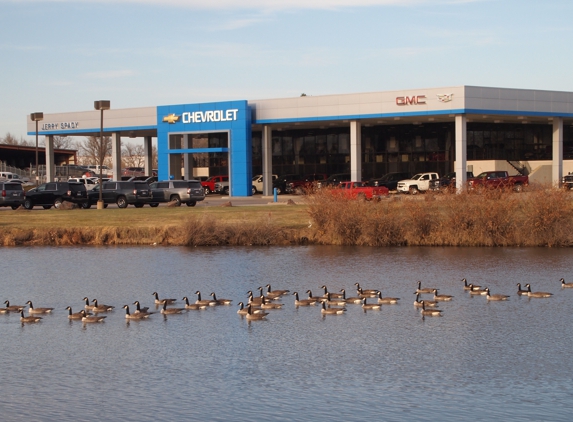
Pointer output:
x,y
492,218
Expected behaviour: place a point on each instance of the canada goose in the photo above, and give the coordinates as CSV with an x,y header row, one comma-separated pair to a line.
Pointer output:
x,y
13,308
356,300
255,316
536,294
477,292
441,298
317,298
243,310
566,285
470,286
268,297
193,306
100,308
276,293
33,310
140,315
424,290
171,311
162,301
521,292
87,305
207,302
429,312
386,300
254,300
92,319
331,301
361,293
495,297
268,305
428,303
31,318
365,291
331,311
220,301
303,302
370,306
140,310
77,315
332,295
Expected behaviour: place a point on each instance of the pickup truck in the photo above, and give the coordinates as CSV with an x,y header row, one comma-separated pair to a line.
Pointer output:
x,y
498,179
209,184
418,183
448,182
360,190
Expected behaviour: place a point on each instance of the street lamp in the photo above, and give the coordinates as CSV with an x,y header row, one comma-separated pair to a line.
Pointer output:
x,y
101,105
36,117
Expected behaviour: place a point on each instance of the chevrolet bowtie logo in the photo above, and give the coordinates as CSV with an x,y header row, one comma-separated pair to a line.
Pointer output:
x,y
171,118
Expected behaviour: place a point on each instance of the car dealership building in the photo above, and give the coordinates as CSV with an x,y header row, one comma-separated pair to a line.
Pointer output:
x,y
366,134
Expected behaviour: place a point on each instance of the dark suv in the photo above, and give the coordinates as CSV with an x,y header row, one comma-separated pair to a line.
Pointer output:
x,y
122,193
54,193
282,182
389,180
178,191
12,194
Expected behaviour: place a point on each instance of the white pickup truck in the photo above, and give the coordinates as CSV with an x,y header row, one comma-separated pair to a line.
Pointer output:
x,y
418,183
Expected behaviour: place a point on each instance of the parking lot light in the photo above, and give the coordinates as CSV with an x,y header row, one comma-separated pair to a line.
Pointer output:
x,y
36,117
101,105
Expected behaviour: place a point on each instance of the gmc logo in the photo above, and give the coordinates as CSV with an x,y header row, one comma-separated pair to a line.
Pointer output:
x,y
414,100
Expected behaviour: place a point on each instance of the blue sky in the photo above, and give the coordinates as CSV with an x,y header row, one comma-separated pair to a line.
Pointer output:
x,y
60,56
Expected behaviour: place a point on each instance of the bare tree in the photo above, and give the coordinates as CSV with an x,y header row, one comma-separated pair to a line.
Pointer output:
x,y
132,155
12,140
64,142
95,151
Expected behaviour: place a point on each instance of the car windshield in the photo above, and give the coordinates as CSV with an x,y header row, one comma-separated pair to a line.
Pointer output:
x,y
417,176
482,175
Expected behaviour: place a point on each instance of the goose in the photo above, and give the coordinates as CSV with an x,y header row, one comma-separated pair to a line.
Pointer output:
x,y
428,303
332,295
200,301
140,310
87,305
31,318
303,302
478,291
171,311
331,311
13,308
254,300
429,312
33,310
141,315
220,301
565,285
162,301
317,298
361,293
536,294
386,300
77,315
441,298
424,290
268,305
331,301
92,319
495,297
193,306
268,297
100,308
255,316
521,292
356,300
470,286
276,293
370,306
243,310
365,291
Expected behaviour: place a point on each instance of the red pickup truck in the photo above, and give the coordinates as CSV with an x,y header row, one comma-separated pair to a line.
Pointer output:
x,y
498,179
355,190
209,184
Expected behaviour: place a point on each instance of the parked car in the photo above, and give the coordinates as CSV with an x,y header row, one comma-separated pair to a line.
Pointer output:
x,y
417,183
448,181
567,181
122,193
222,187
498,179
281,183
209,184
389,180
12,194
7,175
54,193
178,191
133,171
357,190
88,182
305,183
258,182
334,180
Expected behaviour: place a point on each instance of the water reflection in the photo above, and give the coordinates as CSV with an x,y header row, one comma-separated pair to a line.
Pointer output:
x,y
507,359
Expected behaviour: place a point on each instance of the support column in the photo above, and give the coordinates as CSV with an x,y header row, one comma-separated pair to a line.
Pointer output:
x,y
148,155
557,160
461,146
267,161
50,164
116,155
355,151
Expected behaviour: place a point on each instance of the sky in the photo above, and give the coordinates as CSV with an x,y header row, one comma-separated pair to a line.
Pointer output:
x,y
62,55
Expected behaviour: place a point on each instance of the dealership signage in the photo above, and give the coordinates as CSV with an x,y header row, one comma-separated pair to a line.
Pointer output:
x,y
210,116
60,126
413,100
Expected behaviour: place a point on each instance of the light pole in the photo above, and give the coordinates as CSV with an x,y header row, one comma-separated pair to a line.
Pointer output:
x,y
101,105
36,117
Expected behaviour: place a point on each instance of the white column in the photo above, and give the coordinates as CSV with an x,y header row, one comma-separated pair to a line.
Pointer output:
x,y
116,155
355,151
557,161
461,146
267,161
50,164
148,155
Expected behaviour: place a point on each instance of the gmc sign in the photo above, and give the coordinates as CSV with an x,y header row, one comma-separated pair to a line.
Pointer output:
x,y
414,100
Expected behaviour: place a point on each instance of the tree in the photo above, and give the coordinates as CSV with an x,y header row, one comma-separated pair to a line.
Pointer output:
x,y
132,155
64,142
94,150
11,140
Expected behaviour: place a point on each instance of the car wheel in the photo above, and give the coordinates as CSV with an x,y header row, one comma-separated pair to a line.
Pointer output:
x,y
253,190
176,200
153,205
138,205
226,190
414,190
15,207
86,205
46,207
58,203
121,202
191,203
518,188
207,191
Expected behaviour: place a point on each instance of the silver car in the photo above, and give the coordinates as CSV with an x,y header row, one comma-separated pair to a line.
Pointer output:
x,y
11,194
178,191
